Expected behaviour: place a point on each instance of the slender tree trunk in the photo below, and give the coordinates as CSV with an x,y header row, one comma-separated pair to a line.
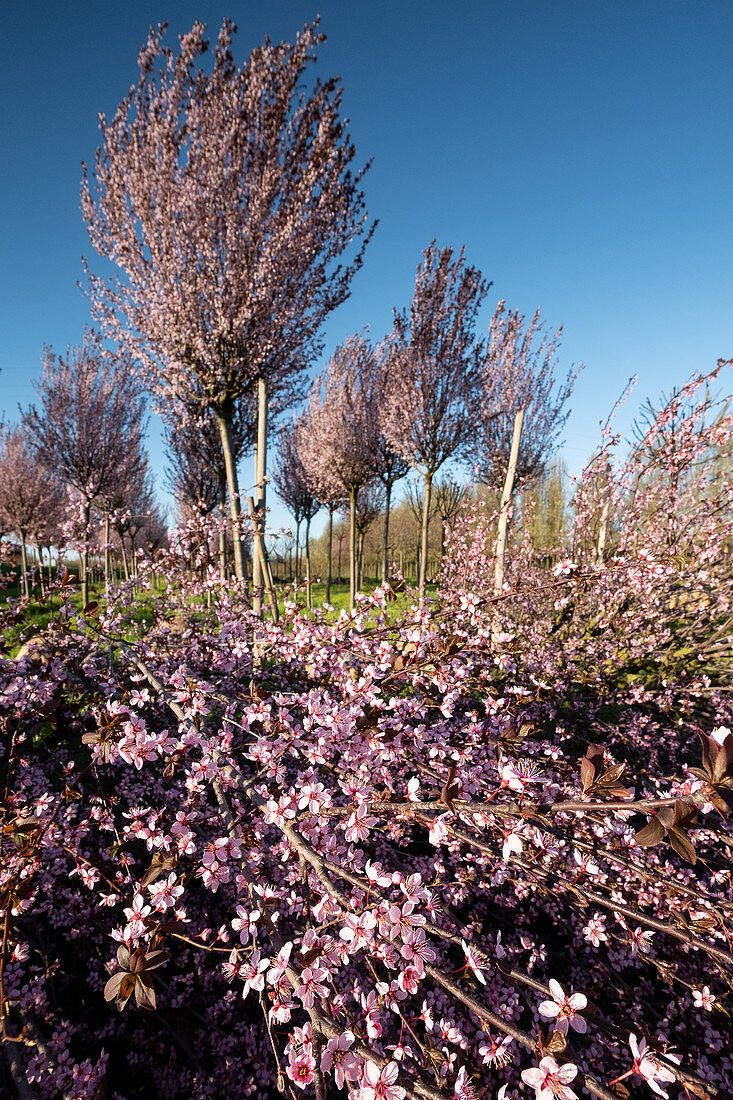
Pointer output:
x,y
297,548
308,593
330,553
602,534
258,566
385,536
506,498
125,566
261,550
23,586
424,532
107,555
353,493
360,560
222,528
85,557
224,418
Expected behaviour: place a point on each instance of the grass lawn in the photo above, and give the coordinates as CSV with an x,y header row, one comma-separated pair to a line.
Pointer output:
x,y
38,613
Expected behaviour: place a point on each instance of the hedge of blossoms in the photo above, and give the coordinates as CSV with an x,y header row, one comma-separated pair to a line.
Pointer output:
x,y
362,856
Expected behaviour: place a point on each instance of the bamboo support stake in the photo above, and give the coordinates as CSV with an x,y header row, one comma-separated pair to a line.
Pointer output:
x,y
506,497
259,542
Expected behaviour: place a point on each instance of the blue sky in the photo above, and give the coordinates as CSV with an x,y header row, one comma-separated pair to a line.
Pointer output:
x,y
582,152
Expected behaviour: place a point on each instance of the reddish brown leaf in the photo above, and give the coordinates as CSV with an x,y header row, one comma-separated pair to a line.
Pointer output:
x,y
682,845
651,834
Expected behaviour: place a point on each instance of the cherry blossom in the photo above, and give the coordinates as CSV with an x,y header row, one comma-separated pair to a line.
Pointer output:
x,y
703,998
550,1081
564,1010
379,1084
646,1066
337,1058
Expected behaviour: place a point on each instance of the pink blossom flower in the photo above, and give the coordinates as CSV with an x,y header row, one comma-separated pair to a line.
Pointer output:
x,y
641,941
379,1084
496,1053
550,1081
474,961
703,998
595,930
438,830
252,972
280,964
301,1070
338,1058
358,930
311,986
164,893
564,1010
410,977
244,923
646,1066
376,875
415,945
463,1089
359,823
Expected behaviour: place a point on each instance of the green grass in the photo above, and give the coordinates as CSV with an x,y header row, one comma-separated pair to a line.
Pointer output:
x,y
139,617
340,597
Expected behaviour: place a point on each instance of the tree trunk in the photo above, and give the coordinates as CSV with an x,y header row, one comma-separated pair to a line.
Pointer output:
x,y
297,547
224,418
425,529
222,528
125,566
308,594
258,566
107,555
353,493
385,537
602,534
329,565
360,561
23,586
506,498
85,557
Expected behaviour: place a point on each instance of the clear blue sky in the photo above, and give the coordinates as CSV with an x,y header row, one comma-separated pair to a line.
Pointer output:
x,y
582,152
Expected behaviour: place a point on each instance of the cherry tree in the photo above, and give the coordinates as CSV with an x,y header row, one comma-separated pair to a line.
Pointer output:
x,y
227,200
197,472
450,497
391,466
414,498
341,439
321,481
88,426
137,508
518,366
291,483
29,493
433,413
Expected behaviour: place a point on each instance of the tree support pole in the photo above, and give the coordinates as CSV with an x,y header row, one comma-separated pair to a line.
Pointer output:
x,y
506,497
260,502
259,542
